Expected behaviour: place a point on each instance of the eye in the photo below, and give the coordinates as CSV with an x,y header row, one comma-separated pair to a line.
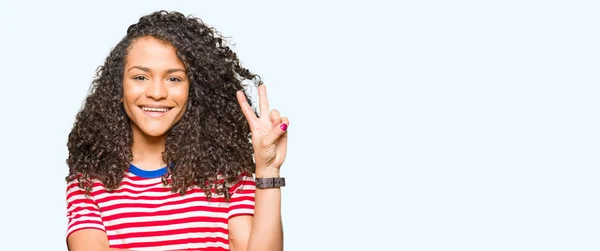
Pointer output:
x,y
140,78
174,79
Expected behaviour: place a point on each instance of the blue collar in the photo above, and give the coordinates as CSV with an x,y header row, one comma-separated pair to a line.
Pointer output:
x,y
147,174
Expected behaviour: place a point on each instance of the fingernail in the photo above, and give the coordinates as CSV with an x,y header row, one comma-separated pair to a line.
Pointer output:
x,y
283,126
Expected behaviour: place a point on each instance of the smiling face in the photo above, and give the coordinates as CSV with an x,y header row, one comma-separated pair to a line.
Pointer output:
x,y
155,87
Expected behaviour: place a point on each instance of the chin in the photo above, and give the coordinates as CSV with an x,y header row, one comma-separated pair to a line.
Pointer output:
x,y
153,127
155,132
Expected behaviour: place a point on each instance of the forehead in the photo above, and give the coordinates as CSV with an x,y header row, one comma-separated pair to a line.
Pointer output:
x,y
152,53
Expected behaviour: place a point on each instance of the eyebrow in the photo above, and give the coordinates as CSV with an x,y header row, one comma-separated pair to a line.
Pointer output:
x,y
146,69
175,70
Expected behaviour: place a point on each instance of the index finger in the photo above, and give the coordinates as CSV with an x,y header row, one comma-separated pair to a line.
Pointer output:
x,y
264,102
246,109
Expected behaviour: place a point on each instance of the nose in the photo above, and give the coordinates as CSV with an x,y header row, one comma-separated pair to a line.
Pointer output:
x,y
156,90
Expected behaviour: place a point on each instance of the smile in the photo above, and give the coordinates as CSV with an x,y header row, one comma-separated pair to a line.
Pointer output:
x,y
155,111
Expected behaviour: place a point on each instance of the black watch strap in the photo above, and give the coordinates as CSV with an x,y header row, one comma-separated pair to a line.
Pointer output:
x,y
270,182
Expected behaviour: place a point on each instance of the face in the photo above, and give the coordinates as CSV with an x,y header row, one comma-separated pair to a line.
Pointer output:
x,y
155,87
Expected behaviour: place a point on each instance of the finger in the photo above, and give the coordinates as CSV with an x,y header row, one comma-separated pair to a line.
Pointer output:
x,y
275,134
246,109
285,120
263,100
283,140
275,117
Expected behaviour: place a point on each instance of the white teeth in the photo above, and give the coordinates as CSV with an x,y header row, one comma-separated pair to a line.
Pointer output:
x,y
152,109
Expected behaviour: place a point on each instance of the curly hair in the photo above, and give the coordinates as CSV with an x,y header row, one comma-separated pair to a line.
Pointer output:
x,y
209,147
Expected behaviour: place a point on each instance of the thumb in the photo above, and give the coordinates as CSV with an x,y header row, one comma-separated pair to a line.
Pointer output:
x,y
275,133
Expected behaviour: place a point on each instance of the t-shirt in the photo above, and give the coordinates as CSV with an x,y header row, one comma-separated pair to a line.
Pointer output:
x,y
143,214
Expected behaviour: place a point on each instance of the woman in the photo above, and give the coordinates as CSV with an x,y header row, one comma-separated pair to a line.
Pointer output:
x,y
162,154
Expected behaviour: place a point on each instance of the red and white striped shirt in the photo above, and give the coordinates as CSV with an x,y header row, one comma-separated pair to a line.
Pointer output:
x,y
143,214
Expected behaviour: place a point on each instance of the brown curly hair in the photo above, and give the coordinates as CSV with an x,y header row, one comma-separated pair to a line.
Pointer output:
x,y
209,147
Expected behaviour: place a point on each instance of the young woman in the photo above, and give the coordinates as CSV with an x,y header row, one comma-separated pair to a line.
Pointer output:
x,y
167,152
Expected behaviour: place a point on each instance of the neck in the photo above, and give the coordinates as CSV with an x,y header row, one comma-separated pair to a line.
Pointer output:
x,y
147,150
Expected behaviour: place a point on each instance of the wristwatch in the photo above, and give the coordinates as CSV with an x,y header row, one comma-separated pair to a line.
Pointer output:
x,y
270,182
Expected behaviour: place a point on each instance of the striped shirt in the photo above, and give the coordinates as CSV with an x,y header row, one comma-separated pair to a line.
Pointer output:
x,y
143,214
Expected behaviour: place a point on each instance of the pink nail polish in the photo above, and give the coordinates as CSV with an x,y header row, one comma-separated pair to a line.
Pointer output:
x,y
283,126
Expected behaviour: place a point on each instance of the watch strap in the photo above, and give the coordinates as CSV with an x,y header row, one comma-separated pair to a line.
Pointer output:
x,y
270,182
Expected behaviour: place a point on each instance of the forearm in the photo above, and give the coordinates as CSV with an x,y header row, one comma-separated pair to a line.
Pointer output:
x,y
267,229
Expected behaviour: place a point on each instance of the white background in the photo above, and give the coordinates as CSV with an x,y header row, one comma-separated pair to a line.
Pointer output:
x,y
415,125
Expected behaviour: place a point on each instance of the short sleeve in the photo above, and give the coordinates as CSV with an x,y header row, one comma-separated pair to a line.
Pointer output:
x,y
242,197
82,211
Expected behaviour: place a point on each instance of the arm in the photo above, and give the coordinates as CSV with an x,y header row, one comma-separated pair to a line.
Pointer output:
x,y
89,240
85,230
267,229
269,141
264,231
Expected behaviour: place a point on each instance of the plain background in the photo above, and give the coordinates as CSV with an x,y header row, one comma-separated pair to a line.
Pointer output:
x,y
415,125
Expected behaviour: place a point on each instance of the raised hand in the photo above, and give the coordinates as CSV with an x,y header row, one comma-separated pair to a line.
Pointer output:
x,y
269,134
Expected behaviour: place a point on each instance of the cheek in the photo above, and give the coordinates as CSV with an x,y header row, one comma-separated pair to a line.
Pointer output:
x,y
131,93
181,94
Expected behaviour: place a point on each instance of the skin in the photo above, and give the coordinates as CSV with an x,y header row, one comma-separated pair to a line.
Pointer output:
x,y
154,76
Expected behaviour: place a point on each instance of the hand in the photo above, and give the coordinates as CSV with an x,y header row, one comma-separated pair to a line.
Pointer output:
x,y
269,134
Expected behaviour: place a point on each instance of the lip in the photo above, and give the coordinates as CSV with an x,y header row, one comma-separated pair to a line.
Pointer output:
x,y
155,114
155,106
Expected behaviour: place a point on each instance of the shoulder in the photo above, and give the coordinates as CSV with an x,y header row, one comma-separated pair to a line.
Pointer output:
x,y
79,184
